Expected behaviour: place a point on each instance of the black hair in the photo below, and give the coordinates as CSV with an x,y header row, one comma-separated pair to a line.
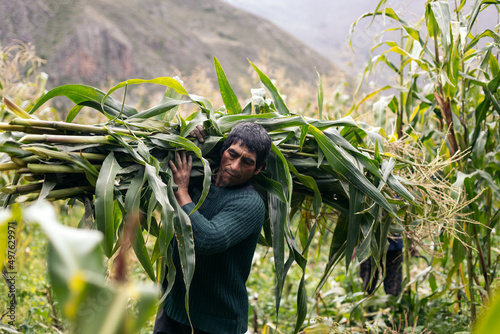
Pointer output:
x,y
253,136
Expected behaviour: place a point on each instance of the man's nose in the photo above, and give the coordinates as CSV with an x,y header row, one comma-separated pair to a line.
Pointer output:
x,y
236,164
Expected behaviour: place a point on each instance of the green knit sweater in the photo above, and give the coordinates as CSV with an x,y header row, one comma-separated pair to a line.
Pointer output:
x,y
225,229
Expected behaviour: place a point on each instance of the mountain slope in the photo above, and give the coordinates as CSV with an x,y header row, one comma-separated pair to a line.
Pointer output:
x,y
96,41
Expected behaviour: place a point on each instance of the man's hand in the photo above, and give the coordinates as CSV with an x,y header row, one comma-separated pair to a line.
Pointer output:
x,y
199,133
181,174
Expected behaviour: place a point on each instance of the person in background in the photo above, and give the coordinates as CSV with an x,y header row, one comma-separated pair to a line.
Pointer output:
x,y
393,269
225,231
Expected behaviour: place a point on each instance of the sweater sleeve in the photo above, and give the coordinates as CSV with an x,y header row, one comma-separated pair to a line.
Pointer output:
x,y
240,218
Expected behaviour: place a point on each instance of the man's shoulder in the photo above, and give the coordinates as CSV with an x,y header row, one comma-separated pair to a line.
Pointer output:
x,y
246,192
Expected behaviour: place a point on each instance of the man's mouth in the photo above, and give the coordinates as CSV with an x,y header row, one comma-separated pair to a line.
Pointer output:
x,y
230,173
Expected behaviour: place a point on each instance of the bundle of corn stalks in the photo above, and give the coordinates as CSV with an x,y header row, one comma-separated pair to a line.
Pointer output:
x,y
121,167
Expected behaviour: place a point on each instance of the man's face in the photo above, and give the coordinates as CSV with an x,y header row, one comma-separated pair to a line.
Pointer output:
x,y
237,166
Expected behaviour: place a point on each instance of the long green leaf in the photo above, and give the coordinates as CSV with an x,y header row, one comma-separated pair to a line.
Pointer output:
x,y
346,169
87,96
184,235
278,215
165,81
278,101
270,121
104,202
356,205
132,203
337,249
166,105
309,182
228,97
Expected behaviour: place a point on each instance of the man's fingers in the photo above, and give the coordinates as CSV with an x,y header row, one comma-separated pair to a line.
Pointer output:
x,y
198,132
183,161
172,166
201,130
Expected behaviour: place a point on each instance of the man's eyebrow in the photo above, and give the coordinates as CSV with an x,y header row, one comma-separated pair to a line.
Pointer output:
x,y
233,151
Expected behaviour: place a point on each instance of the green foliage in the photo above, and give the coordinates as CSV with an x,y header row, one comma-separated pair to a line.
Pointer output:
x,y
447,78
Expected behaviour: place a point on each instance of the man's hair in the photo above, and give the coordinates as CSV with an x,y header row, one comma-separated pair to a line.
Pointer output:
x,y
253,136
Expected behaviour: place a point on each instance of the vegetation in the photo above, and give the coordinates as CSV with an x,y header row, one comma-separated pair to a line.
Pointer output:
x,y
336,188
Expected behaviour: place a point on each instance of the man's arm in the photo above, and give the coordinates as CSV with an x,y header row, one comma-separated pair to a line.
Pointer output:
x,y
240,217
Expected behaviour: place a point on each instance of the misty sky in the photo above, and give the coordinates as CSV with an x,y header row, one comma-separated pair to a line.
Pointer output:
x,y
324,24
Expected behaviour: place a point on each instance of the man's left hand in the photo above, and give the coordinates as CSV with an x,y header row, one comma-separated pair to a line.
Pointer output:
x,y
181,172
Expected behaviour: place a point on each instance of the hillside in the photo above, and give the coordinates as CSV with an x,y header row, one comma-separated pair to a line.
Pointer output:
x,y
96,41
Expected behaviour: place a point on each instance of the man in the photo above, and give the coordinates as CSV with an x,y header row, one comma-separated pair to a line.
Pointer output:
x,y
225,230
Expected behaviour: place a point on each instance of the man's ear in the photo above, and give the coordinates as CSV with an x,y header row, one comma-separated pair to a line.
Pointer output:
x,y
257,170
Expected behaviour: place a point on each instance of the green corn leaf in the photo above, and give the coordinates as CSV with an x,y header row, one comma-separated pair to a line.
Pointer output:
x,y
49,182
104,202
303,135
346,169
478,6
356,205
458,251
184,236
167,103
132,203
193,122
301,304
320,97
73,113
164,81
269,186
489,321
389,12
141,252
87,96
337,249
228,97
226,123
487,33
278,215
278,101
270,121
309,182
441,11
301,292
159,109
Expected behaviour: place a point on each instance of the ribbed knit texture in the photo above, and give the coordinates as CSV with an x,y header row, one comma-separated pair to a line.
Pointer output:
x,y
226,229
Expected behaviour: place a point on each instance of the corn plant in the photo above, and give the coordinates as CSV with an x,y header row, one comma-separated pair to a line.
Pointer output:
x,y
120,169
447,75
